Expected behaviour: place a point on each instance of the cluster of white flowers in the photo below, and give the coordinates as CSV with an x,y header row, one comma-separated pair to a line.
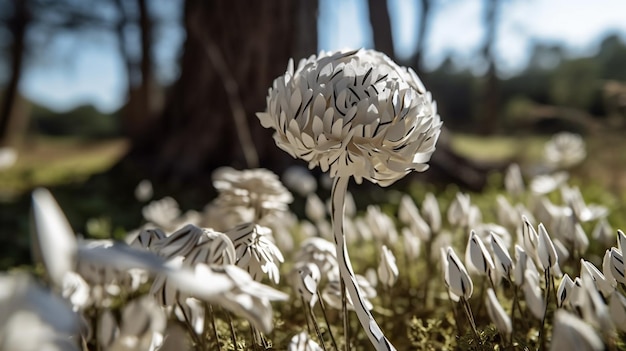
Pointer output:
x,y
354,114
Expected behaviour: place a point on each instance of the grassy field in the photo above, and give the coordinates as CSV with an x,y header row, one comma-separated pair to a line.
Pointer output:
x,y
54,161
418,323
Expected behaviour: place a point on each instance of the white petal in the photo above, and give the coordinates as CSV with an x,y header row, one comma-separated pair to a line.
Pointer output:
x,y
55,238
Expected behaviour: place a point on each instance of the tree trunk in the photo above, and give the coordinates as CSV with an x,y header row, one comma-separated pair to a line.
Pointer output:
x,y
381,27
421,35
490,93
17,26
232,53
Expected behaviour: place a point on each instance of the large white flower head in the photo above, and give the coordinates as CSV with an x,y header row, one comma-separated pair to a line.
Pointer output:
x,y
354,113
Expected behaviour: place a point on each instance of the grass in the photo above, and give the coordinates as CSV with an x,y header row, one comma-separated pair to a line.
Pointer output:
x,y
499,148
416,323
45,161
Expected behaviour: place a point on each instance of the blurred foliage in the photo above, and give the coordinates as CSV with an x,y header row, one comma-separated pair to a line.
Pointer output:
x,y
84,121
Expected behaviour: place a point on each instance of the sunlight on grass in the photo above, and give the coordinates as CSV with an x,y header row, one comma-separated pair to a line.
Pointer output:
x,y
499,148
52,161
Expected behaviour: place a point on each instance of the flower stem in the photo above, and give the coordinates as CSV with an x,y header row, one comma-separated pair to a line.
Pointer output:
x,y
213,324
470,317
332,337
371,328
545,311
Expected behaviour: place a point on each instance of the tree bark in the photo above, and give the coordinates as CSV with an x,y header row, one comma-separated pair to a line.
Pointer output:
x,y
490,95
17,25
232,53
421,35
381,27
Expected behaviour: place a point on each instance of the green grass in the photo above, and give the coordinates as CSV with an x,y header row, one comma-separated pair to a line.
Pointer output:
x,y
55,161
499,148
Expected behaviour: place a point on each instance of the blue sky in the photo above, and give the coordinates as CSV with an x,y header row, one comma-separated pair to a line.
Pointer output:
x,y
95,73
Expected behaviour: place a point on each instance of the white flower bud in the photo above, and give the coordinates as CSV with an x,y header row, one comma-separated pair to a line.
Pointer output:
x,y
533,294
564,291
513,181
410,216
458,280
617,310
503,261
602,284
459,210
545,249
314,208
387,268
431,212
55,241
306,279
621,241
617,266
302,342
520,267
572,333
477,257
497,314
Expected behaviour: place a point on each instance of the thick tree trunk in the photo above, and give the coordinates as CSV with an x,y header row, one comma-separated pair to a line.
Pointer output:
x,y
421,35
381,27
17,25
490,92
232,53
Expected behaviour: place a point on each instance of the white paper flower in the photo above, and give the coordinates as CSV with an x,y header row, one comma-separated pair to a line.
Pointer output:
x,y
503,261
302,342
565,150
617,266
459,210
299,180
497,314
431,212
255,251
321,252
621,241
354,113
33,318
545,249
306,277
513,181
477,257
164,212
257,189
55,241
533,293
617,310
572,333
564,291
141,327
409,215
546,183
332,293
521,265
387,268
602,284
456,277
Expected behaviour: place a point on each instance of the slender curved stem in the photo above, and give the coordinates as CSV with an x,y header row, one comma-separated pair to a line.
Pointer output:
x,y
371,328
330,332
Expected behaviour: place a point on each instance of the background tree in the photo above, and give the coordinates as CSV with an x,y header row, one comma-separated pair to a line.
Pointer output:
x,y
381,27
17,24
232,52
490,103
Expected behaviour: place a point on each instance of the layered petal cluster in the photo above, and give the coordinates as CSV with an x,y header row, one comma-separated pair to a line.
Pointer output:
x,y
565,150
354,113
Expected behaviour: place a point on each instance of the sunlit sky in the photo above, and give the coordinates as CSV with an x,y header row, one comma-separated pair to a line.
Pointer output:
x,y
96,75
